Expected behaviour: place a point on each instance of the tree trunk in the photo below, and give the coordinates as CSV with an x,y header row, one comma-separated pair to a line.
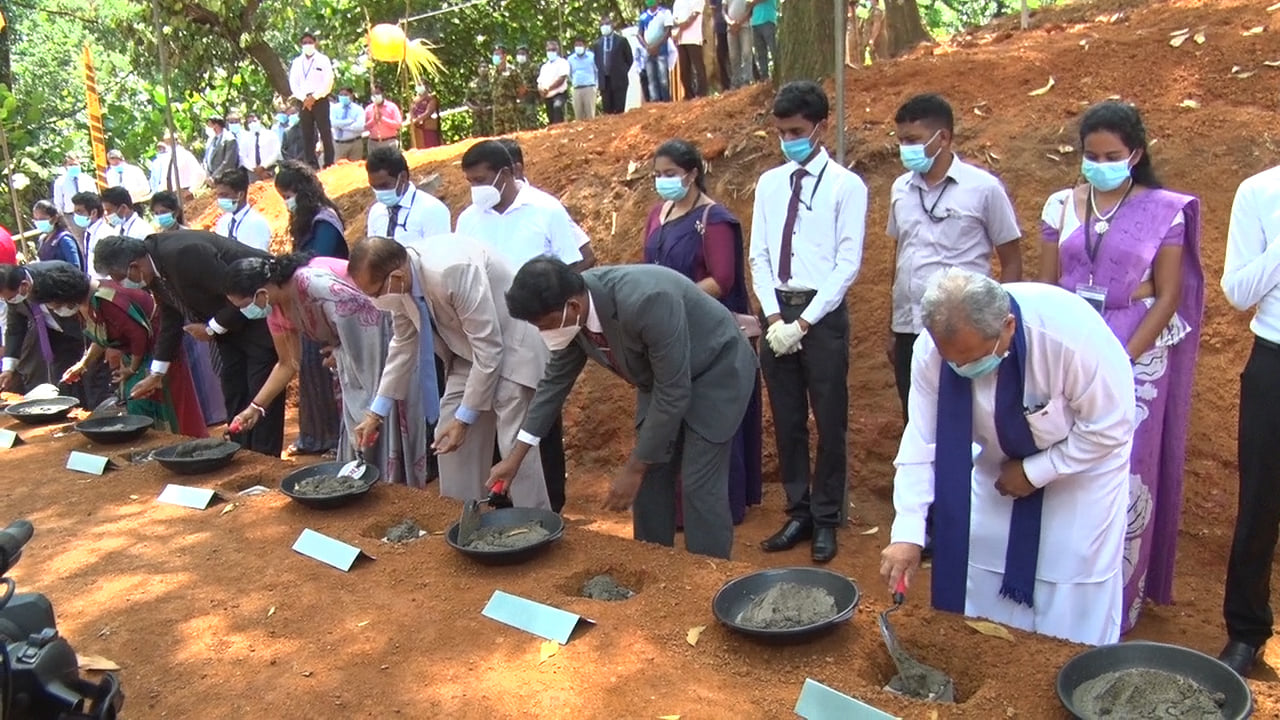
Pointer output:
x,y
906,30
270,62
806,41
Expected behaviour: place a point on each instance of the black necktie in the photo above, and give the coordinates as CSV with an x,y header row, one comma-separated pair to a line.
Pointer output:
x,y
257,150
392,215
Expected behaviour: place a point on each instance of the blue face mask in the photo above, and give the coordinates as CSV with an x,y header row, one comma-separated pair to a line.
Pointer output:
x,y
344,100
799,149
1106,176
82,221
166,220
73,171
293,120
388,197
235,128
979,367
227,204
44,226
282,119
670,188
133,284
291,203
254,312
916,158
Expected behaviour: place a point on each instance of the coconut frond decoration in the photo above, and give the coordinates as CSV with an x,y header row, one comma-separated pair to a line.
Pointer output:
x,y
388,43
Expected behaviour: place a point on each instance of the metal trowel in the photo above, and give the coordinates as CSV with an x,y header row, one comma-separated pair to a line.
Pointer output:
x,y
469,523
914,679
355,468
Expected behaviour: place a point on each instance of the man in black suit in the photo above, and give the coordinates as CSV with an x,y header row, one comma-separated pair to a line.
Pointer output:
x,y
613,63
186,271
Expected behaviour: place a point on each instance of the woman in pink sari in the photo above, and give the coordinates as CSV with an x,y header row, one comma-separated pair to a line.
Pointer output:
x,y
1132,250
301,296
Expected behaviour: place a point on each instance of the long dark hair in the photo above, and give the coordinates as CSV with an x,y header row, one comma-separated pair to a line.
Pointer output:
x,y
685,155
299,179
1124,121
249,275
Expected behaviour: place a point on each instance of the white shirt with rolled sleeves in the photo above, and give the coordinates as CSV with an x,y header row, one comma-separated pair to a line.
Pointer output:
x,y
829,231
1251,273
131,178
530,227
252,144
421,216
311,76
1079,397
247,227
979,217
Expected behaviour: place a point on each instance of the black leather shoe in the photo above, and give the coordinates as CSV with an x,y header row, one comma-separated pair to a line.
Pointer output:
x,y
1239,657
791,534
824,544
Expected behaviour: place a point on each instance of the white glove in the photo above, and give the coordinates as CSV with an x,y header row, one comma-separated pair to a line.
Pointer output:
x,y
786,339
772,332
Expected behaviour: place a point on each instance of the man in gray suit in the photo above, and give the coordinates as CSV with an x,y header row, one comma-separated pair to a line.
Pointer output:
x,y
444,294
222,151
693,371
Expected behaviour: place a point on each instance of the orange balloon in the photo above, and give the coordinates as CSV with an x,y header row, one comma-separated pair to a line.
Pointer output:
x,y
387,43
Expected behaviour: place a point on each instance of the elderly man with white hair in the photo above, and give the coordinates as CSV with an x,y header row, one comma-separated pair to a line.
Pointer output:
x,y
1021,421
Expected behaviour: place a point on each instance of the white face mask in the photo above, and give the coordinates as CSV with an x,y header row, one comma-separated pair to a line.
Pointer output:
x,y
308,49
377,99
559,338
486,197
66,312
390,301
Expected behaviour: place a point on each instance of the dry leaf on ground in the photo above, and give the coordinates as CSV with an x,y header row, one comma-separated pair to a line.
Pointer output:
x,y
668,717
1177,42
548,650
1053,157
1274,8
1066,149
1183,31
876,529
1048,86
271,611
1189,104
1200,38
228,508
95,662
362,624
1271,63
1254,31
990,628
694,633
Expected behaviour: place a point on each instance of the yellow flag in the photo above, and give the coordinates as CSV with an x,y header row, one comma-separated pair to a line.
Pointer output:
x,y
1,21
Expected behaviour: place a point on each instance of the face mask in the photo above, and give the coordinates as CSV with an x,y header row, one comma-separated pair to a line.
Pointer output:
x,y
293,120
235,128
980,367
65,312
282,119
254,312
579,50
209,133
377,99
133,284
914,157
560,338
73,171
606,30
291,203
522,59
799,149
165,220
420,89
17,299
44,226
388,197
552,55
344,100
670,188
497,59
227,204
308,49
255,126
1106,176
389,301
114,220
82,221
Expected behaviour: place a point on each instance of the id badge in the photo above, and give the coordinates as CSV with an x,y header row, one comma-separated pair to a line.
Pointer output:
x,y
1094,295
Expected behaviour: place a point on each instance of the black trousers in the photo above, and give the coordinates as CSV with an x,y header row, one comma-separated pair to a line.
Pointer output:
x,y
1246,604
817,376
555,108
693,71
613,94
644,85
312,121
248,357
903,343
722,58
551,449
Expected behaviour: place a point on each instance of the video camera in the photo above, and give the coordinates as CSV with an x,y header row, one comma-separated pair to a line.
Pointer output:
x,y
39,675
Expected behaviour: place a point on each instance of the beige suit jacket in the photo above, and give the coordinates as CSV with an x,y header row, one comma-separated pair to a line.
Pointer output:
x,y
464,284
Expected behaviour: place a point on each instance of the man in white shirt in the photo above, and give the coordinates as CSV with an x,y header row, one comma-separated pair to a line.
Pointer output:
x,y
943,213
311,81
184,174
117,207
806,247
687,32
89,216
1251,279
239,221
72,180
347,119
553,83
127,175
259,149
538,196
1021,426
400,210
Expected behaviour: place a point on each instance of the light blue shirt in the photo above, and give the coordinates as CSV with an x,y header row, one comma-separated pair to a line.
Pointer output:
x,y
582,69
347,122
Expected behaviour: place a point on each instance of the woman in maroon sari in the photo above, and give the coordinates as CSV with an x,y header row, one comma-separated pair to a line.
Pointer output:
x,y
424,117
693,235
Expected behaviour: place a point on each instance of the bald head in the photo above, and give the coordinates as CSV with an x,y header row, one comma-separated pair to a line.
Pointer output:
x,y
372,260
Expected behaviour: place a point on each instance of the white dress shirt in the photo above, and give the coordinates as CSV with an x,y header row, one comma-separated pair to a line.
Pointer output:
x,y
1079,397
254,145
311,76
135,227
1251,273
421,216
246,226
131,178
97,230
538,196
978,217
553,70
680,12
66,187
532,226
826,245
190,172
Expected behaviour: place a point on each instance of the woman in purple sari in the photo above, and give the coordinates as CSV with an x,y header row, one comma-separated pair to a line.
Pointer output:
x,y
693,235
1132,250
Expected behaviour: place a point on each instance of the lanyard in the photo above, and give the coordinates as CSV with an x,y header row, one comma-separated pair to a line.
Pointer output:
x,y
394,213
235,222
946,182
818,181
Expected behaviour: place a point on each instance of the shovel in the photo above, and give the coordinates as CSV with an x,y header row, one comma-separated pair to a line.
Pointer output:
x,y
914,679
113,406
469,523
